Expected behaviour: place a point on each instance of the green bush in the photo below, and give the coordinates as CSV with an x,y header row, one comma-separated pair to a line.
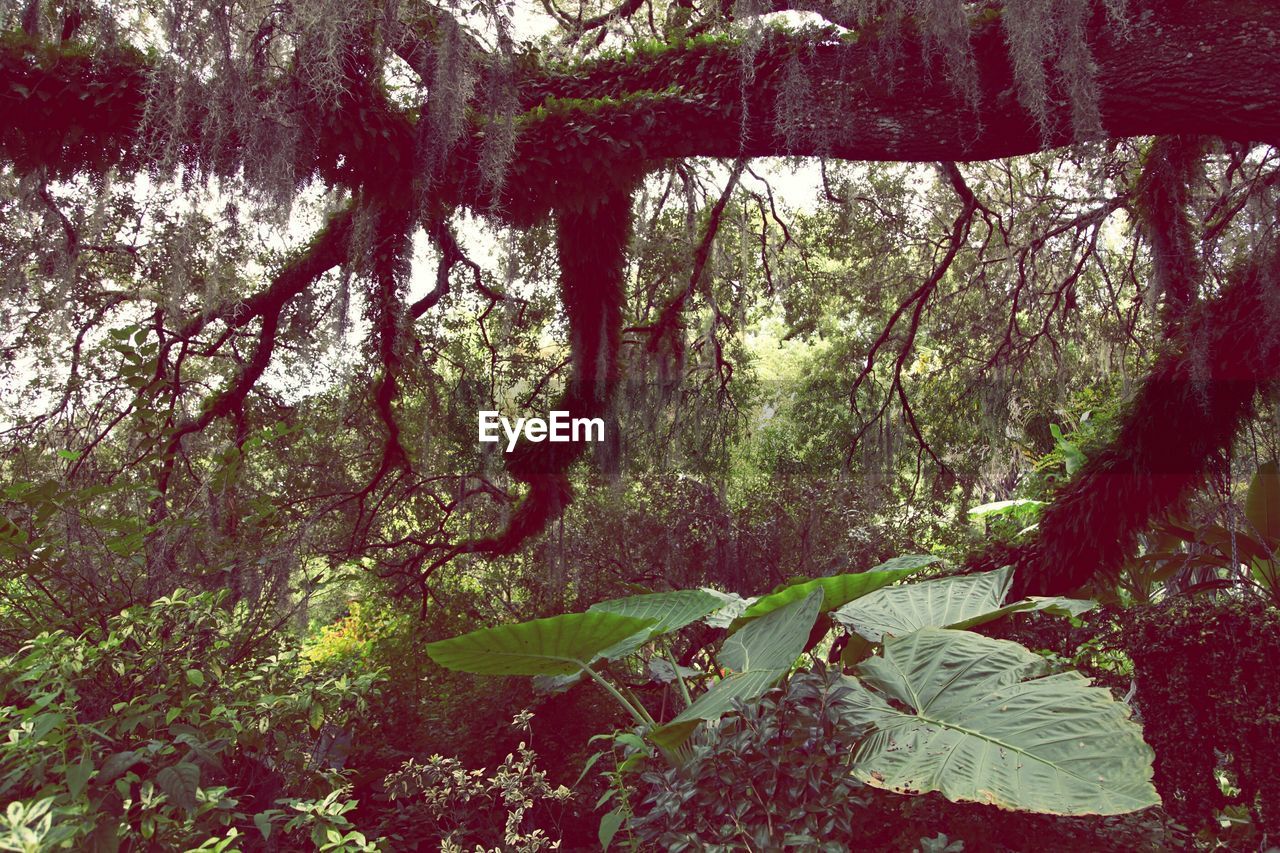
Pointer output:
x,y
1209,695
166,732
775,775
441,805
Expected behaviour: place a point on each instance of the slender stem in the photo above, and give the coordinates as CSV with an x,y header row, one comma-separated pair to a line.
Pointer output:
x,y
675,668
635,700
641,716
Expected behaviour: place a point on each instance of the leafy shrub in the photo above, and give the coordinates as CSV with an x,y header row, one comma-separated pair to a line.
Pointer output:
x,y
1209,695
165,732
928,690
351,638
421,709
444,806
777,774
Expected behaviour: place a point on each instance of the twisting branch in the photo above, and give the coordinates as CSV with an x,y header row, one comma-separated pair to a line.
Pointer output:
x,y
666,329
591,243
579,28
328,250
1017,343
329,247
390,269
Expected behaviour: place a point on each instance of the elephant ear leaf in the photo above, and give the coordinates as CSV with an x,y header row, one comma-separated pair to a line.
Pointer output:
x,y
941,603
666,611
669,611
906,561
977,720
559,645
1262,508
1262,503
958,602
753,660
836,590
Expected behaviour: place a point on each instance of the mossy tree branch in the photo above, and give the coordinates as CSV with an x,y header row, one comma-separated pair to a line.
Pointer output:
x,y
1204,67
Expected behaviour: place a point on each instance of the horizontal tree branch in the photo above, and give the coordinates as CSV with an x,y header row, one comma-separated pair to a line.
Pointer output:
x,y
1181,67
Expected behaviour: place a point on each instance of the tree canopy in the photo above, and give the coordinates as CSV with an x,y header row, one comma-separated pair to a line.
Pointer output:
x,y
150,150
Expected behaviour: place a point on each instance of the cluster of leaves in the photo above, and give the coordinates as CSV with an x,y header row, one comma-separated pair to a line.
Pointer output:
x,y
932,707
164,731
441,802
776,773
1210,705
350,639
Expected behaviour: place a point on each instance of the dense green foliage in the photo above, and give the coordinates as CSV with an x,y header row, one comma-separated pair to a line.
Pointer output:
x,y
167,731
777,773
1219,752
937,507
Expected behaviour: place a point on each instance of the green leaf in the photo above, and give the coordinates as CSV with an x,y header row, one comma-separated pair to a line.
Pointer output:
x,y
753,659
976,730
1054,605
663,671
670,611
586,768
180,782
1267,574
837,590
42,725
78,776
1019,508
1262,508
559,645
196,677
262,820
958,602
1072,459
906,561
732,606
609,826
1262,503
938,603
116,765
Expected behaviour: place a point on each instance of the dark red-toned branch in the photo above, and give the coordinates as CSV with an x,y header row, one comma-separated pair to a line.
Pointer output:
x,y
1185,416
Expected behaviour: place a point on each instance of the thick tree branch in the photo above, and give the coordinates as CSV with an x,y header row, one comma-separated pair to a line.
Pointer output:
x,y
327,251
1185,416
1182,67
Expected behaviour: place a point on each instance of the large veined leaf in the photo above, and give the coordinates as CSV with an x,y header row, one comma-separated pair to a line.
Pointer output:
x,y
906,561
559,645
1262,508
753,660
958,602
1262,503
976,730
1055,605
182,783
936,603
732,606
669,611
1022,509
836,590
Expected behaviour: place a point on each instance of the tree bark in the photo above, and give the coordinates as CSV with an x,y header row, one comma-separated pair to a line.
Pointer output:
x,y
1181,67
